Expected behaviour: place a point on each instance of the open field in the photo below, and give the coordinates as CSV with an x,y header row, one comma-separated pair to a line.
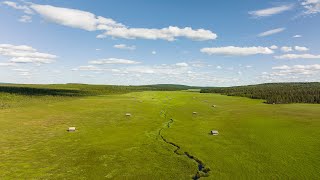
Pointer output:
x,y
255,141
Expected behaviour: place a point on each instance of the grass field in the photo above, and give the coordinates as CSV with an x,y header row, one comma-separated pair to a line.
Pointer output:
x,y
255,141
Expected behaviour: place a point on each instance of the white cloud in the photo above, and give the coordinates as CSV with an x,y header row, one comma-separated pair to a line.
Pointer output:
x,y
87,68
88,76
284,67
14,5
273,47
124,46
219,67
286,49
311,6
271,32
182,64
298,56
296,70
176,69
113,61
98,49
153,52
25,19
74,18
237,51
170,33
90,22
297,36
301,48
21,70
7,64
25,54
271,11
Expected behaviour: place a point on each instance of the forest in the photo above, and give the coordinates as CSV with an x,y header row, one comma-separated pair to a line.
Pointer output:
x,y
274,93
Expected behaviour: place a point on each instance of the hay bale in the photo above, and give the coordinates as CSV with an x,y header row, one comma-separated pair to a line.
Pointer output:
x,y
194,113
128,114
214,106
71,129
214,132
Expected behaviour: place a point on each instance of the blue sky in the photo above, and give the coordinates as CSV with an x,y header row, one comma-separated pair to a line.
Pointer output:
x,y
206,43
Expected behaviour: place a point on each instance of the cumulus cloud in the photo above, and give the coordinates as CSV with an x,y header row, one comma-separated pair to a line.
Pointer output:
x,y
153,52
113,61
170,33
297,36
301,48
296,69
286,49
298,56
271,32
90,22
237,51
311,6
124,46
25,54
271,11
74,18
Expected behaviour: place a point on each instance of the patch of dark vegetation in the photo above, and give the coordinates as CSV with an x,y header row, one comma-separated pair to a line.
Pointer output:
x,y
274,93
202,170
73,89
32,91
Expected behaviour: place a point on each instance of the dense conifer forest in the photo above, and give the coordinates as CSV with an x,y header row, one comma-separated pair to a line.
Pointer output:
x,y
278,93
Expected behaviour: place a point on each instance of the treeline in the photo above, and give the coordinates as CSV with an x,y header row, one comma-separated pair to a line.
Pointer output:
x,y
278,93
81,89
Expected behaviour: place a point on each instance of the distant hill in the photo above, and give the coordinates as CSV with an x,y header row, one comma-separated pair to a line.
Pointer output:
x,y
172,86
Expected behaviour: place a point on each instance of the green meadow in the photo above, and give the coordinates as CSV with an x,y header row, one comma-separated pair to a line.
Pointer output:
x,y
255,141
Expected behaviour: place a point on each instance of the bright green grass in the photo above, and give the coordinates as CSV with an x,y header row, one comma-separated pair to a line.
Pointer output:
x,y
256,140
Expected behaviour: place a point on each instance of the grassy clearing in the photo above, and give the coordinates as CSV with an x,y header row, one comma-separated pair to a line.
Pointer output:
x,y
256,140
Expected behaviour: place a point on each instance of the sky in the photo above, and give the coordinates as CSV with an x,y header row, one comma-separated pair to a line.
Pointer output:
x,y
138,42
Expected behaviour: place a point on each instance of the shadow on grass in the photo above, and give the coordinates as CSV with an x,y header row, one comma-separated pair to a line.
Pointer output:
x,y
39,91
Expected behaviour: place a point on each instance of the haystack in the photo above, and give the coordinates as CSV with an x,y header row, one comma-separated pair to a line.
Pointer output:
x,y
72,129
214,132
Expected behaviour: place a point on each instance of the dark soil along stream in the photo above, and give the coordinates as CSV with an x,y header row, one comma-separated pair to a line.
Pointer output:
x,y
202,170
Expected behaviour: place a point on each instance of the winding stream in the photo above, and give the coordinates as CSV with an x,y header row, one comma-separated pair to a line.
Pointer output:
x,y
202,170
